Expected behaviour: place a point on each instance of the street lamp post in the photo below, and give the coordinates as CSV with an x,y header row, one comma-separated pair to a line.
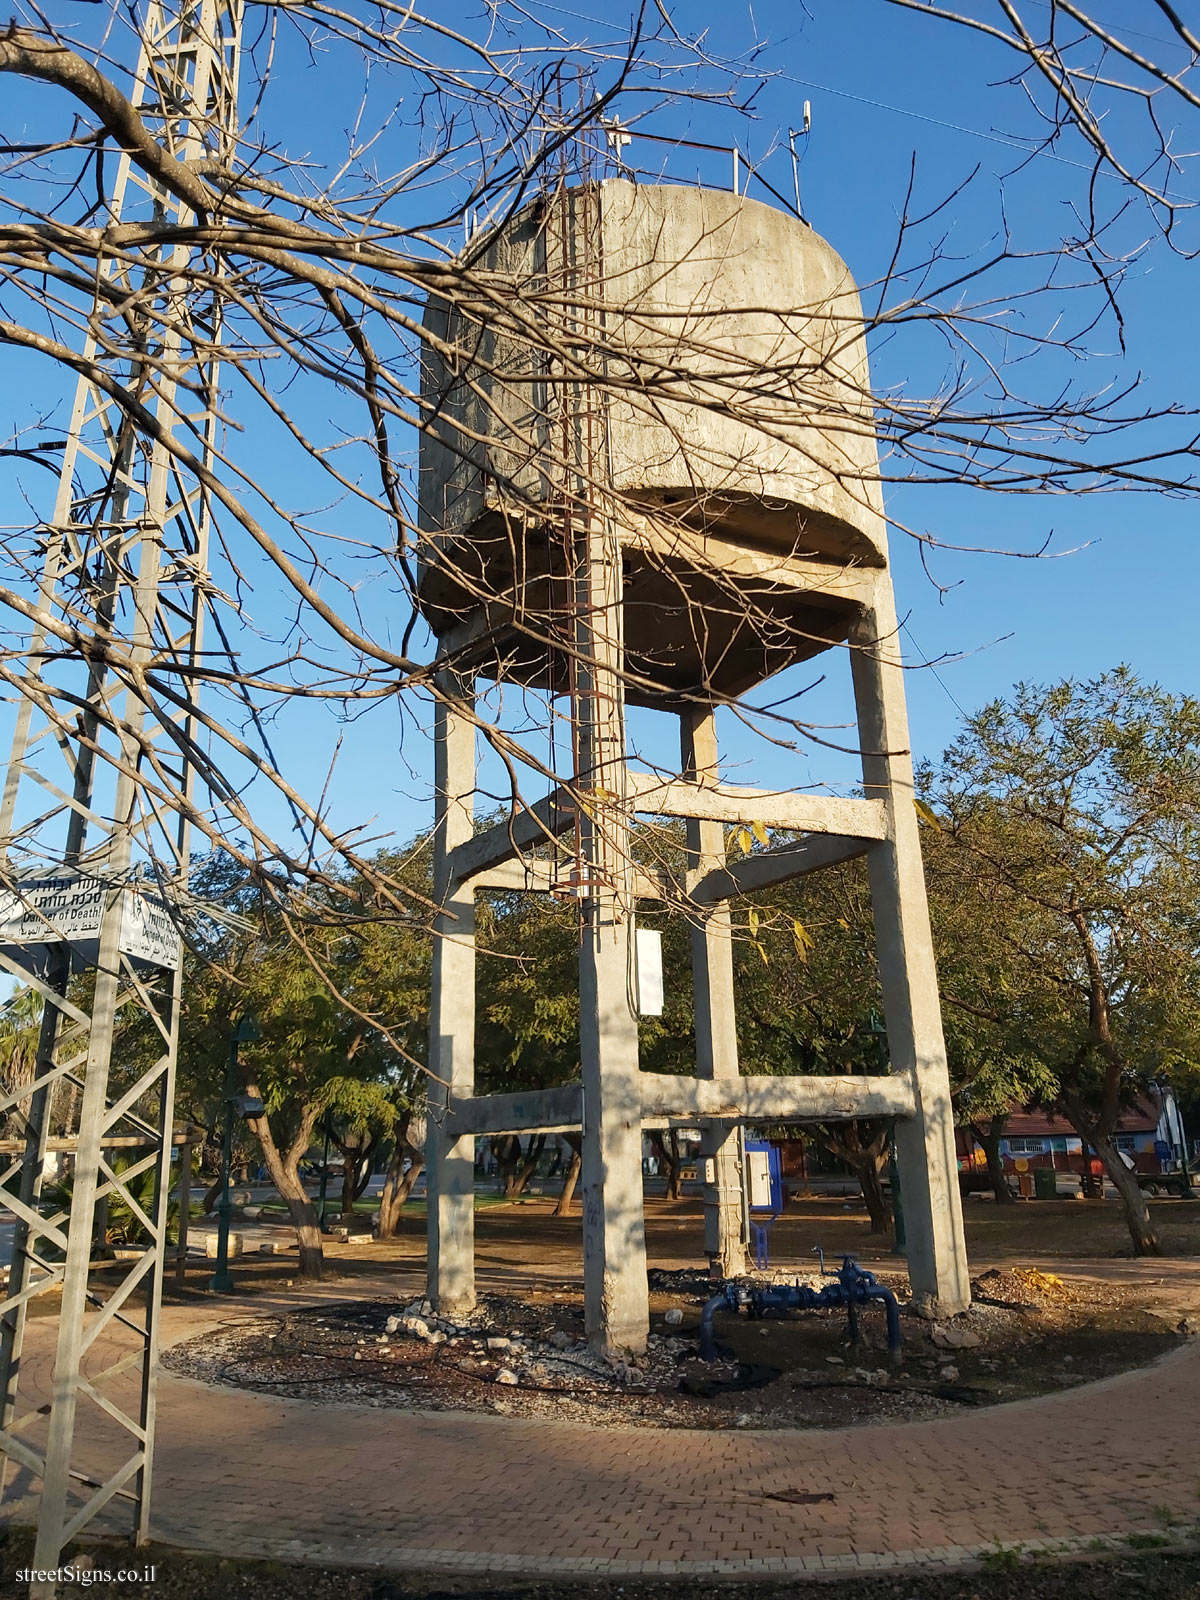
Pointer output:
x,y
324,1177
900,1244
246,1032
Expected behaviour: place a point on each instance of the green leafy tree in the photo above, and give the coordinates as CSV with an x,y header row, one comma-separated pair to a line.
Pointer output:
x,y
1067,827
20,1020
809,1002
340,998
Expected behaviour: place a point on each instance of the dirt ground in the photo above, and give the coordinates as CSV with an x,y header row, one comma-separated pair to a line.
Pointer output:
x,y
523,1248
524,1240
1027,1333
1006,1576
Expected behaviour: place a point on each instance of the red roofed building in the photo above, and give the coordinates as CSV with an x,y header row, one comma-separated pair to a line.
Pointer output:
x,y
1150,1133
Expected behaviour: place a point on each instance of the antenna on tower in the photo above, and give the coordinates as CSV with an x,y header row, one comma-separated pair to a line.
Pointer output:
x,y
793,135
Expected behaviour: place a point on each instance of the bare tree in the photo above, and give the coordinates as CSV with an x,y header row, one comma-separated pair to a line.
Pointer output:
x,y
1123,90
363,297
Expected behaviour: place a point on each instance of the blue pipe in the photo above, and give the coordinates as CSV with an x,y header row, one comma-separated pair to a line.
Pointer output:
x,y
852,1287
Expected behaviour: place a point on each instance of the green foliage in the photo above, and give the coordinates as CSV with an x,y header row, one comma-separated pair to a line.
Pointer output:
x,y
804,971
20,1020
125,1225
527,992
1004,1558
1063,883
339,988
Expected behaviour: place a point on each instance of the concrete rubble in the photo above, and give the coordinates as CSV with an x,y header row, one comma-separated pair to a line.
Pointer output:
x,y
558,1362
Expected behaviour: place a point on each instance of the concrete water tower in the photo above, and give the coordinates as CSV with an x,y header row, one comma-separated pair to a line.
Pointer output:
x,y
649,475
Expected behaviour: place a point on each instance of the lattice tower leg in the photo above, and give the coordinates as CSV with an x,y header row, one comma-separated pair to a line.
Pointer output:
x,y
126,557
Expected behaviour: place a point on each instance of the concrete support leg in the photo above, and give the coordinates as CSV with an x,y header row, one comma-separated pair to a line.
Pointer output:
x,y
616,1300
451,1162
715,1014
616,1303
925,1150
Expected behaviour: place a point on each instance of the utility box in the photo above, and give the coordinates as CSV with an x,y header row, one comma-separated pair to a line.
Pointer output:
x,y
764,1177
648,971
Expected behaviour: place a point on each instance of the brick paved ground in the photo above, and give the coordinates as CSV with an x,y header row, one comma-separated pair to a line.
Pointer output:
x,y
246,1473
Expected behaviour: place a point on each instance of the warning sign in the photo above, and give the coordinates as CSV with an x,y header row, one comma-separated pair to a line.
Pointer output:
x,y
39,915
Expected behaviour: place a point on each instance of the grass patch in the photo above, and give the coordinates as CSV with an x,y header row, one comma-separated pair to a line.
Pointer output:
x,y
273,1210
1004,1558
1146,1541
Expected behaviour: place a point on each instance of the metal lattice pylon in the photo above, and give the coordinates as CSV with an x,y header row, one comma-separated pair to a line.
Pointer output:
x,y
91,808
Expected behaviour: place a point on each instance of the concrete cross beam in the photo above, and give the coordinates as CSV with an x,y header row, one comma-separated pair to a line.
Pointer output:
x,y
555,1110
776,1099
489,852
780,864
537,824
737,804
665,1098
529,875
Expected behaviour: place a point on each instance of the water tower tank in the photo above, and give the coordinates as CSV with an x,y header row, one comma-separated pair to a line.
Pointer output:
x,y
727,435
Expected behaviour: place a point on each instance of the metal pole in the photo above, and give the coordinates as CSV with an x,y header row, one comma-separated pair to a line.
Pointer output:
x,y
900,1246
185,1208
222,1281
324,1176
795,167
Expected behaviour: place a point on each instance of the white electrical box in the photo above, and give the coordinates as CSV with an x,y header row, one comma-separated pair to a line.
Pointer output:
x,y
758,1179
648,972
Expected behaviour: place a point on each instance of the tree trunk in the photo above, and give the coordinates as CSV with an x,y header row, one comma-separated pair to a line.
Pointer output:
x,y
1133,1199
871,1183
397,1187
352,1155
863,1145
366,1165
285,1175
666,1148
304,1218
989,1137
519,1179
398,1184
1098,1130
567,1192
507,1151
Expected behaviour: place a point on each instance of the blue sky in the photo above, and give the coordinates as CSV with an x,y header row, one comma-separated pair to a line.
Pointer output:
x,y
884,87
1004,619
